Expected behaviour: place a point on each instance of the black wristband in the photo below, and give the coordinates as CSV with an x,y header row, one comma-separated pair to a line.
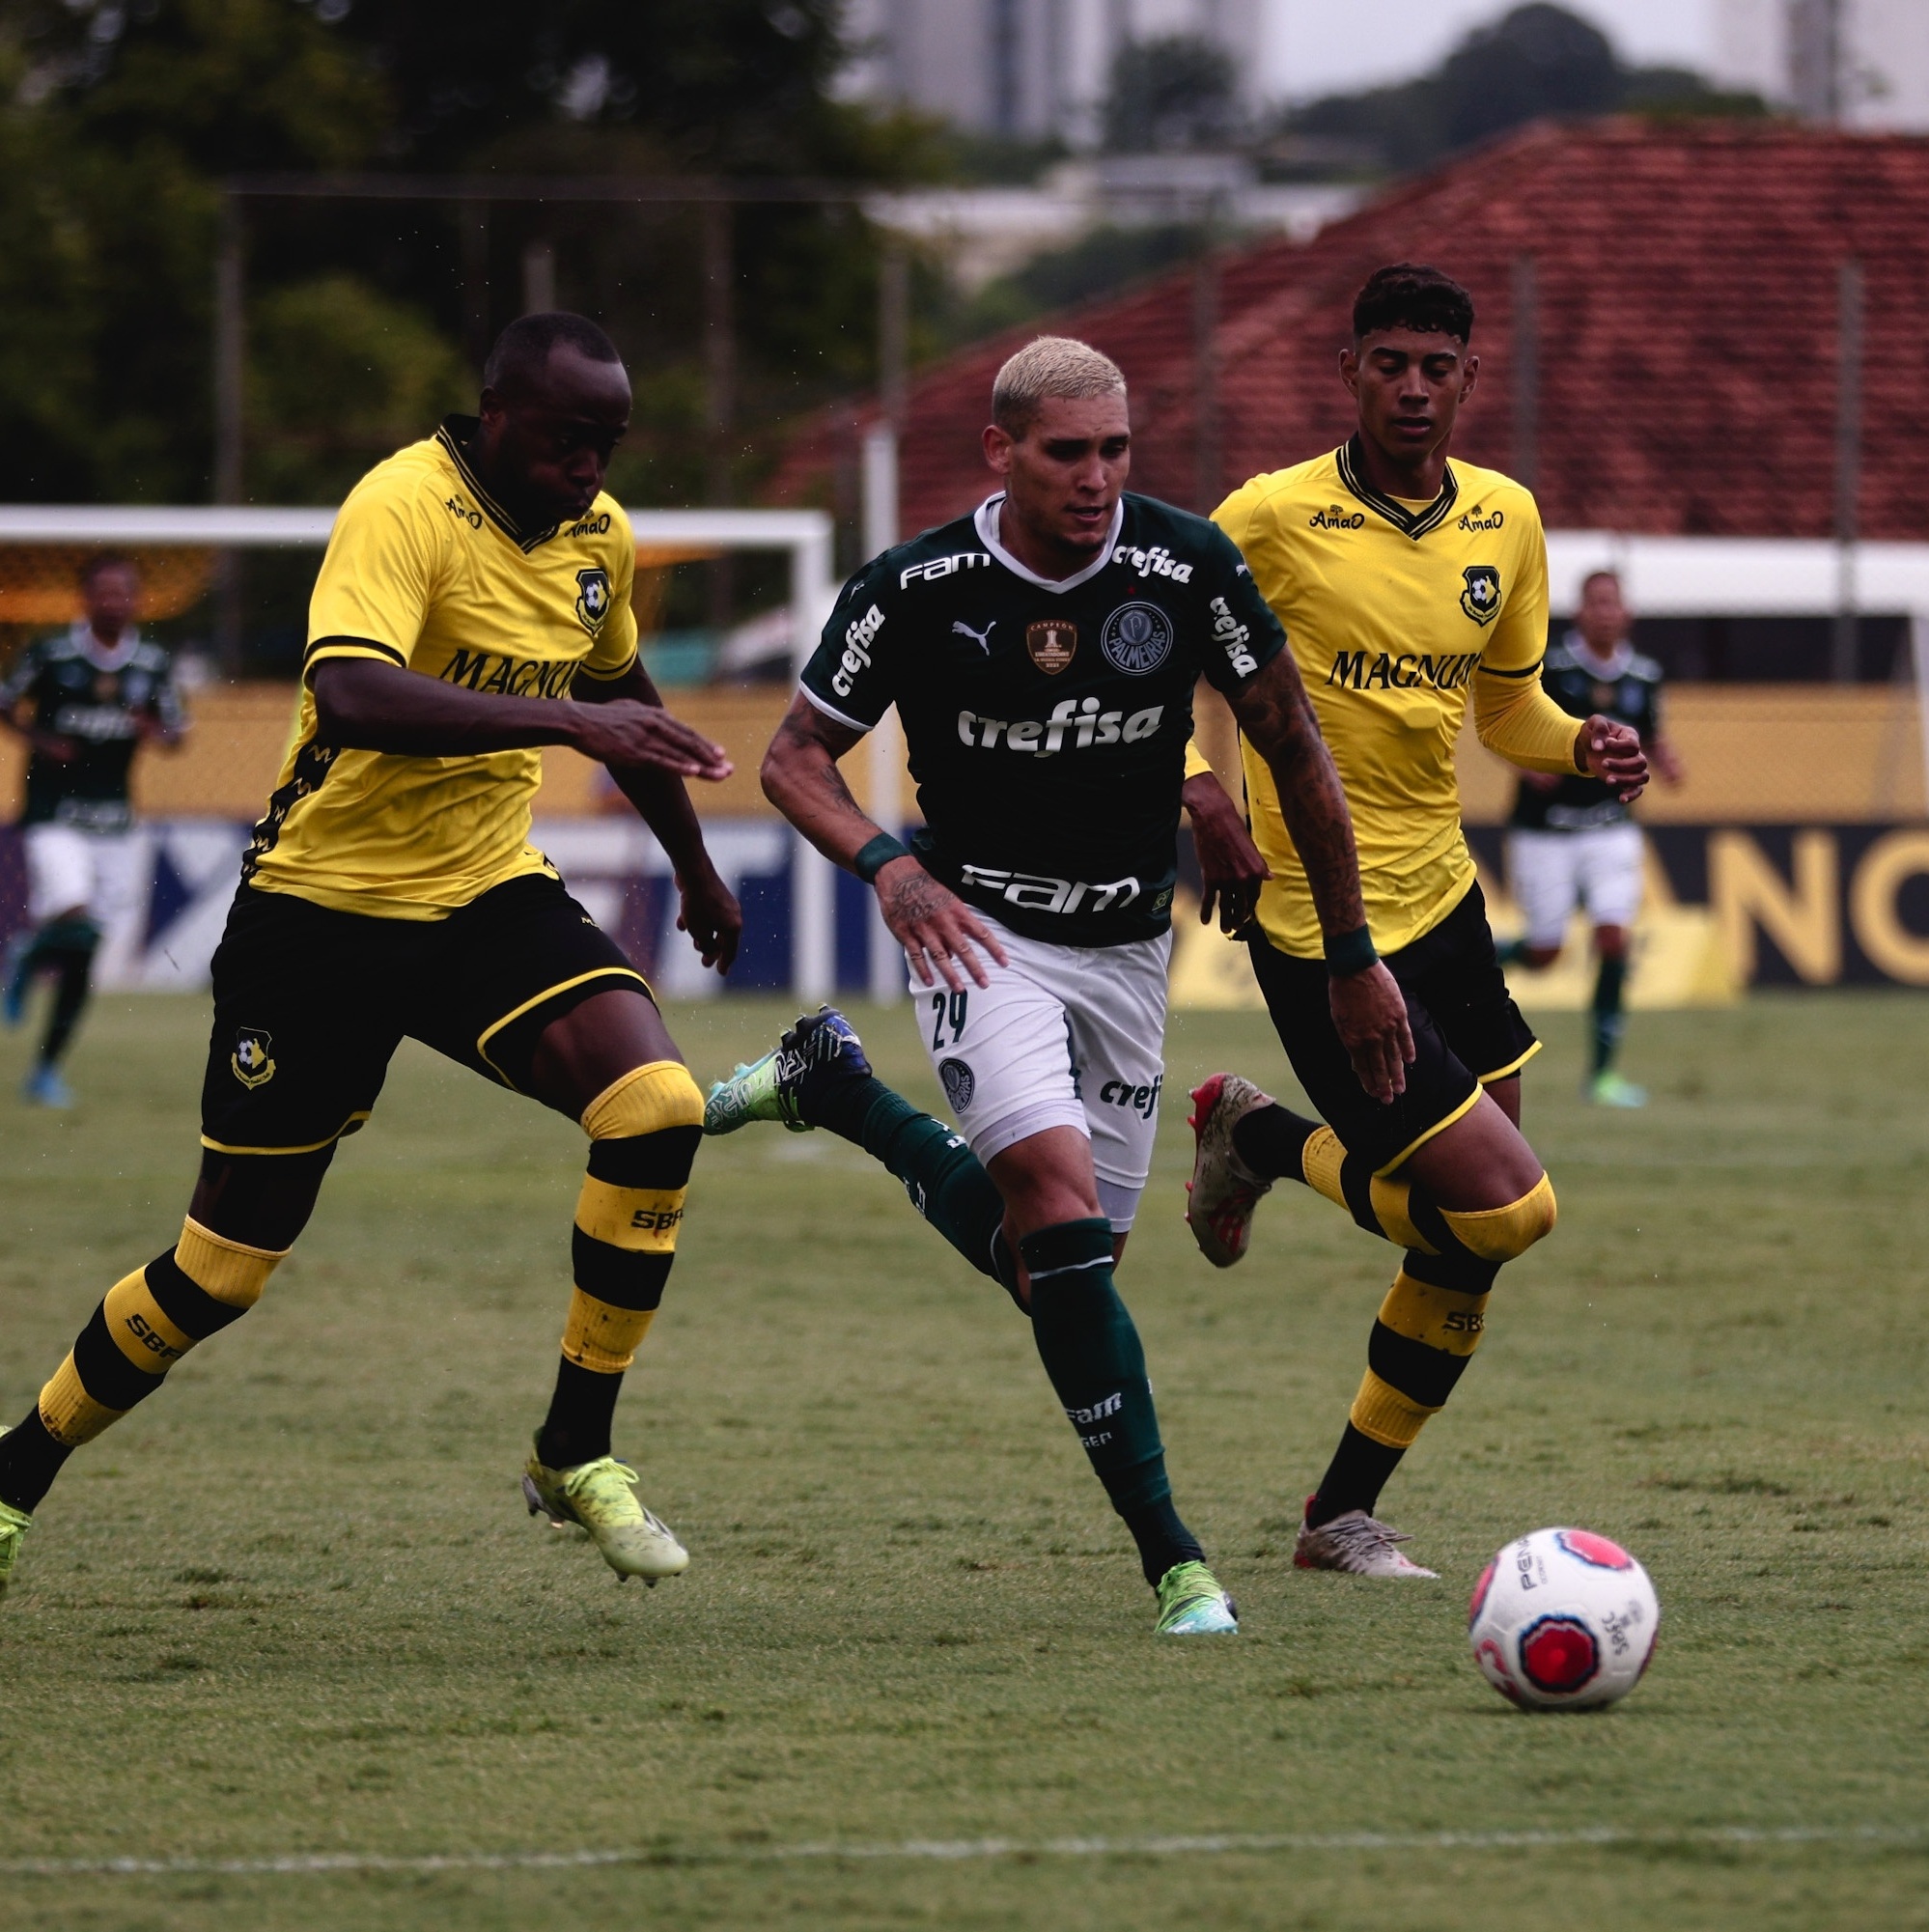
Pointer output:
x,y
1351,952
873,858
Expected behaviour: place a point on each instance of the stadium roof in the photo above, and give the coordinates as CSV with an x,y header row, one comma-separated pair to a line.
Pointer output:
x,y
1686,285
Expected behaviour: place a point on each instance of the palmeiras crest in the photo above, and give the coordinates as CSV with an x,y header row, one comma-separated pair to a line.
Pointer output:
x,y
592,599
250,1062
1481,598
1052,644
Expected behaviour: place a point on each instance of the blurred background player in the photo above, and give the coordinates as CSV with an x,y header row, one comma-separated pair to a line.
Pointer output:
x,y
473,606
1572,841
98,691
1041,653
1403,582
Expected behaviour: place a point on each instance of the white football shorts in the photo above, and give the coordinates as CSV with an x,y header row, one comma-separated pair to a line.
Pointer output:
x,y
1552,873
101,873
1064,1036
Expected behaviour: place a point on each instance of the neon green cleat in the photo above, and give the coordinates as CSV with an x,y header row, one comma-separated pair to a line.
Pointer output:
x,y
1610,1089
601,1498
751,1093
1192,1604
13,1527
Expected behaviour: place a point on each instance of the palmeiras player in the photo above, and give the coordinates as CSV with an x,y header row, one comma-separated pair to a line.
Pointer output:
x,y
99,690
1571,841
473,605
1404,583
1041,653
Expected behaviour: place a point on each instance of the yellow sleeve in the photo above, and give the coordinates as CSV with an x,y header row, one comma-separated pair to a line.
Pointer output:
x,y
1514,717
379,575
1197,764
615,648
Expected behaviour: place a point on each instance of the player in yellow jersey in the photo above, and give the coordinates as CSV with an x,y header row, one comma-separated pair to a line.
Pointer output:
x,y
473,606
1405,584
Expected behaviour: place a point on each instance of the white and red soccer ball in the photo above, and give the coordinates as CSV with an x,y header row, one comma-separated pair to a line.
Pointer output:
x,y
1563,1620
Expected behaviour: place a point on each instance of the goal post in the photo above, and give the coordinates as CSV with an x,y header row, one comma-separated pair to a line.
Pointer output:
x,y
60,532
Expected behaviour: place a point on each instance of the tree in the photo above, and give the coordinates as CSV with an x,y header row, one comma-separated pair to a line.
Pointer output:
x,y
1171,93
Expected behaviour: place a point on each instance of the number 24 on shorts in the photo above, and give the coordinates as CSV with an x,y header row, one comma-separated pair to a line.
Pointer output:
x,y
947,1009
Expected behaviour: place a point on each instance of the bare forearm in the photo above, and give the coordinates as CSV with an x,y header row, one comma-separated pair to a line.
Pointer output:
x,y
368,707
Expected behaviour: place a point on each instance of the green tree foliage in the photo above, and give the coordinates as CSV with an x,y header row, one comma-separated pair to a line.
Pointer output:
x,y
1539,60
120,119
1170,93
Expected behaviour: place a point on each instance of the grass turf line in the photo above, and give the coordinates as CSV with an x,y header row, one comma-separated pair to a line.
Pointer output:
x,y
293,1602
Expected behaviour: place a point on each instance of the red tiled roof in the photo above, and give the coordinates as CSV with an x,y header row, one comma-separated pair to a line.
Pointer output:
x,y
1687,286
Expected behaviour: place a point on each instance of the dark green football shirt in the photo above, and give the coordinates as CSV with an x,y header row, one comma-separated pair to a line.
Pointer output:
x,y
1047,722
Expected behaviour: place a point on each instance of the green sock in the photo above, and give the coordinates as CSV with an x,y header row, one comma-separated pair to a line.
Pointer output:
x,y
1607,1020
1091,1350
943,1178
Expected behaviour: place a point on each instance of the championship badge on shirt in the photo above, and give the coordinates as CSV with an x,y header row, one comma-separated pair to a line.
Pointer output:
x,y
1605,696
1481,598
593,599
1052,643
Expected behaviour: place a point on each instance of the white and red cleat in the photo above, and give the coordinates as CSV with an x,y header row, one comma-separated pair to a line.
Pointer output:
x,y
1224,1190
1356,1543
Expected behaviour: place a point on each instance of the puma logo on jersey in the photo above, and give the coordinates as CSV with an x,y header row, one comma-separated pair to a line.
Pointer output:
x,y
981,638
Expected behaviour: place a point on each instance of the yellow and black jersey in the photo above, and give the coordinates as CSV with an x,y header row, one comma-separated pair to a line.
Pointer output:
x,y
424,569
1395,611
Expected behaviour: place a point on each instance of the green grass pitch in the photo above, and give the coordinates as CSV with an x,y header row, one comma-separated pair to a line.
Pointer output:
x,y
293,1606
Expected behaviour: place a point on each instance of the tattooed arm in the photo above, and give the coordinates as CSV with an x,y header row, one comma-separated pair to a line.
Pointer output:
x,y
1368,1008
800,777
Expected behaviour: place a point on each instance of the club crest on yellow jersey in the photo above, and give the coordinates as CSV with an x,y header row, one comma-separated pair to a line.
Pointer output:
x,y
1481,598
592,599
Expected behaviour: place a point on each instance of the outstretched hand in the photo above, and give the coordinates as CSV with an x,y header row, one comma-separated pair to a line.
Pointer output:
x,y
935,926
1370,1013
1614,755
626,734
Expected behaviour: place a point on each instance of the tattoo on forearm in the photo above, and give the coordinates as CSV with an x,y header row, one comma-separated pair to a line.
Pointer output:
x,y
1276,712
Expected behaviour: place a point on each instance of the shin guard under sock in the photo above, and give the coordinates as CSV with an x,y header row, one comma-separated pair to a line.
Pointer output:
x,y
1091,1352
644,1131
147,1323
1608,1021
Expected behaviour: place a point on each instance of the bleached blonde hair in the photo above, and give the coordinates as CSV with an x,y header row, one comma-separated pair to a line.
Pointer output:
x,y
1051,365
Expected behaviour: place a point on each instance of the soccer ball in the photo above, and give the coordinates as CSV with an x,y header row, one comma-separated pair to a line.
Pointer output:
x,y
1563,1620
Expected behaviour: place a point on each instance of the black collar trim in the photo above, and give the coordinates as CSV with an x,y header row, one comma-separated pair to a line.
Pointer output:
x,y
455,435
1396,513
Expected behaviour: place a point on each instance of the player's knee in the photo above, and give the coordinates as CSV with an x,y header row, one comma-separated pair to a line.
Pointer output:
x,y
1505,1233
660,1098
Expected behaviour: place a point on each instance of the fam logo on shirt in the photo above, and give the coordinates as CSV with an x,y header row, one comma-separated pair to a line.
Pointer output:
x,y
592,599
1481,598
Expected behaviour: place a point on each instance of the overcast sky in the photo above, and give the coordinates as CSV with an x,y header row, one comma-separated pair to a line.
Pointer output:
x,y
1324,46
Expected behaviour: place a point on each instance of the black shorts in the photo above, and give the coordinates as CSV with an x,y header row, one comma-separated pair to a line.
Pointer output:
x,y
310,1005
1466,1032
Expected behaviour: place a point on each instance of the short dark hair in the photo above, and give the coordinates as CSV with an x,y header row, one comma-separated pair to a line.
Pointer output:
x,y
1408,295
106,560
522,348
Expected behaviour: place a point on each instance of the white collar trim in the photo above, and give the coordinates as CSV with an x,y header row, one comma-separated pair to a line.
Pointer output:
x,y
105,660
986,522
1613,667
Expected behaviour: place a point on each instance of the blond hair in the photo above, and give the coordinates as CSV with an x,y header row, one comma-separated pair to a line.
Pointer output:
x,y
1051,365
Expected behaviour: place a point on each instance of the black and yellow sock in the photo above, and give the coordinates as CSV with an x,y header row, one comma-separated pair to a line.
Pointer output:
x,y
1428,1326
1608,1021
644,1131
145,1323
1091,1352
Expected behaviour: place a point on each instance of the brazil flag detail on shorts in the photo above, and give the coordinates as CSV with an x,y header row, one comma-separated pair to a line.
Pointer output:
x,y
1046,721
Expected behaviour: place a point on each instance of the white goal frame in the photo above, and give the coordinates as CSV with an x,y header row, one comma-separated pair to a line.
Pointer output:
x,y
806,534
